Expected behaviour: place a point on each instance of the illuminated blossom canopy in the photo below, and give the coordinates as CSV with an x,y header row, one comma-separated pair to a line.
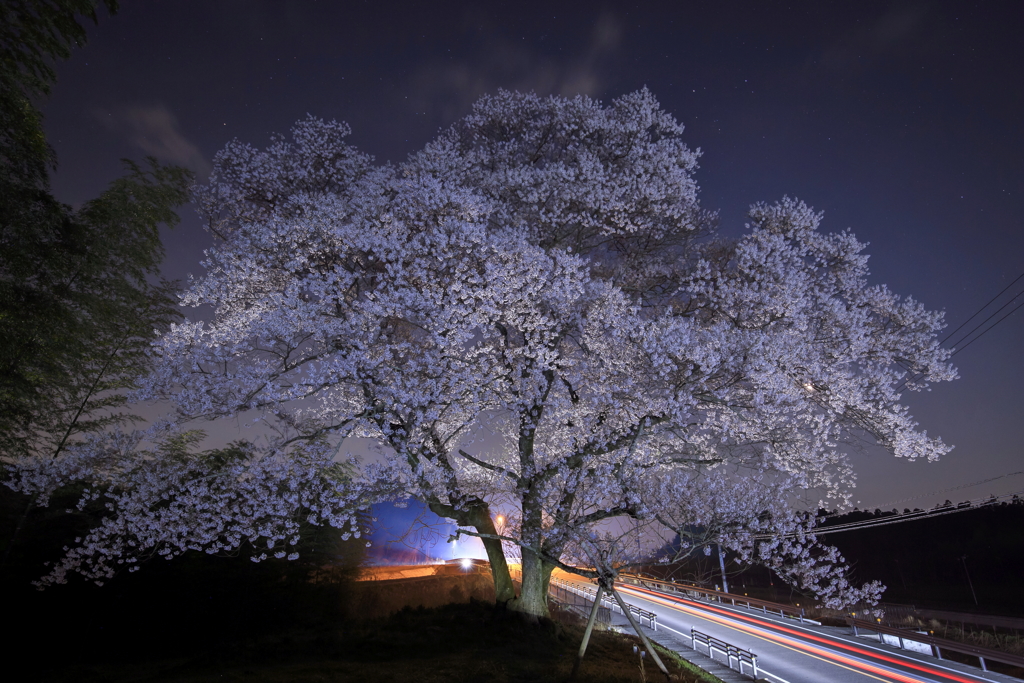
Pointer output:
x,y
542,274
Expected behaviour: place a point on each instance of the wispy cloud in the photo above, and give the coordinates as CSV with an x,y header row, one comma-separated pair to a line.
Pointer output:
x,y
895,29
155,131
447,90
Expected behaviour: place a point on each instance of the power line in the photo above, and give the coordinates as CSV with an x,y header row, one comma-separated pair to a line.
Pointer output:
x,y
924,514
920,515
911,516
900,518
1012,311
939,493
916,376
978,312
994,314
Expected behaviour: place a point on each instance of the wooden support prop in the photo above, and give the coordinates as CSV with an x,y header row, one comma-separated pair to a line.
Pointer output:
x,y
586,634
650,647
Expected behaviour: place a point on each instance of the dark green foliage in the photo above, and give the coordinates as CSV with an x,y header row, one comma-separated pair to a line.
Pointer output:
x,y
34,34
77,309
196,604
77,303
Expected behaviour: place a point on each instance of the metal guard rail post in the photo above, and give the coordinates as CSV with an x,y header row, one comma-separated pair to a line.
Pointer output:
x,y
719,596
731,652
937,644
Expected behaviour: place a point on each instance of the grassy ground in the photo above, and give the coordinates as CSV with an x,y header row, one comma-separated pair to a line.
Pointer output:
x,y
204,618
463,642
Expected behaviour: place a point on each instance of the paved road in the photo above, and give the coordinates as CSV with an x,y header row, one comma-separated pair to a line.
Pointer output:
x,y
791,652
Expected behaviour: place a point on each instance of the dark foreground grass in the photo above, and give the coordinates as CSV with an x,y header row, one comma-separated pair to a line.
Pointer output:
x,y
459,642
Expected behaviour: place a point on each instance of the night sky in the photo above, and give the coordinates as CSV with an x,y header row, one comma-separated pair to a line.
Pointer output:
x,y
899,120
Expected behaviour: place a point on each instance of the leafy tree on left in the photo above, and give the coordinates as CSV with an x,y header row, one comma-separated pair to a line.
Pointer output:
x,y
77,305
77,308
79,301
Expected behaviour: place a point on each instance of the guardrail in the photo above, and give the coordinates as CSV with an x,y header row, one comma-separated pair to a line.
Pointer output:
x,y
696,592
607,599
731,652
937,644
894,613
578,604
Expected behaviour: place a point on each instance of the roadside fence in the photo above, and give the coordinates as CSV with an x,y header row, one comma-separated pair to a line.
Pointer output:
x,y
590,593
577,603
912,640
742,661
708,595
731,653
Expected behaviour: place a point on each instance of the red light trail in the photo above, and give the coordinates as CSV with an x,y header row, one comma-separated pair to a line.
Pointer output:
x,y
761,630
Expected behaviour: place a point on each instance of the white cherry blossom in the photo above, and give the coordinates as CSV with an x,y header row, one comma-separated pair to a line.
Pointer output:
x,y
542,269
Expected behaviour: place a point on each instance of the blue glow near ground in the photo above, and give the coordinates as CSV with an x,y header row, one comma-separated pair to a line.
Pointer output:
x,y
414,535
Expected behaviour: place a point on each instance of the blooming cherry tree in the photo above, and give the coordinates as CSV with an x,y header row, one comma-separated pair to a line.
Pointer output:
x,y
544,269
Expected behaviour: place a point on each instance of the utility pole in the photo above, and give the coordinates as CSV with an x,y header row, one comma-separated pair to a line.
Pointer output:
x,y
721,563
900,570
963,560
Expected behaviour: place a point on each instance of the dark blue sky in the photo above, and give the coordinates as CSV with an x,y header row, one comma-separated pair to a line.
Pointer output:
x,y
900,120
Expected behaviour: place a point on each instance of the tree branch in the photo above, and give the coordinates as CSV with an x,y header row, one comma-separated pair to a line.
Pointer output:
x,y
494,468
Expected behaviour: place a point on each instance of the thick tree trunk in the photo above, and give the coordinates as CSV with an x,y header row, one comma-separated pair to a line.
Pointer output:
x,y
533,599
479,516
504,591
